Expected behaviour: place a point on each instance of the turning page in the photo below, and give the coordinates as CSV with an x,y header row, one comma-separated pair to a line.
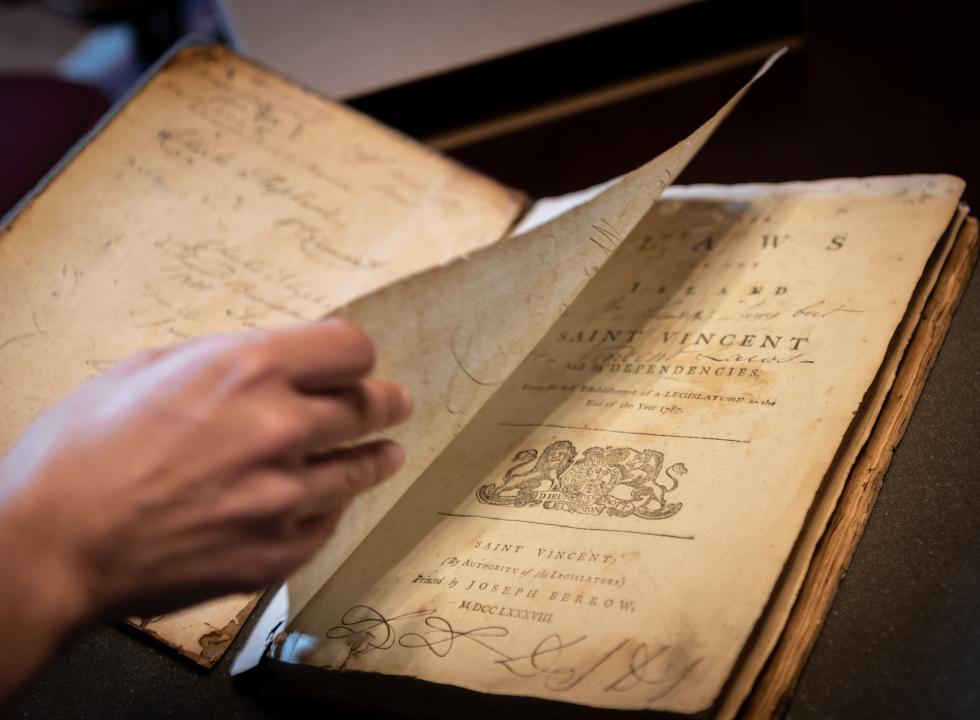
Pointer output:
x,y
454,334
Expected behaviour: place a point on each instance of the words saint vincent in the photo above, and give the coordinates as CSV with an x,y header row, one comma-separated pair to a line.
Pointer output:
x,y
617,481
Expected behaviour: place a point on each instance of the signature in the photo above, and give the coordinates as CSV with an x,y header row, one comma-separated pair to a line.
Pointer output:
x,y
560,664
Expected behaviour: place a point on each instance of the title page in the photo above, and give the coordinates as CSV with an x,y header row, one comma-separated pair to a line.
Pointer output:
x,y
609,528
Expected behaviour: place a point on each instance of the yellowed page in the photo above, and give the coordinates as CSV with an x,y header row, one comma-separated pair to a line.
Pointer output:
x,y
784,597
609,528
203,632
454,334
219,198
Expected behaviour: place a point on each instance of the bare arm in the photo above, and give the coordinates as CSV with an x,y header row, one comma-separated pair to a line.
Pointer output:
x,y
216,466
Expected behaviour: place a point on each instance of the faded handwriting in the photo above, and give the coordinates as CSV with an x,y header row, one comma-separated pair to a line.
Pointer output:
x,y
189,145
604,353
276,184
439,636
145,170
207,264
246,113
759,311
735,356
358,625
317,248
255,120
561,665
822,309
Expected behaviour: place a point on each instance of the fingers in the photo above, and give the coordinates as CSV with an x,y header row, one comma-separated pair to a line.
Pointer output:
x,y
290,428
278,498
340,476
283,518
300,510
330,484
234,420
314,357
142,359
322,356
348,414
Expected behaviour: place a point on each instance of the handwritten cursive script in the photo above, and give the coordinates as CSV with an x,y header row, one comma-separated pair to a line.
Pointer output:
x,y
560,664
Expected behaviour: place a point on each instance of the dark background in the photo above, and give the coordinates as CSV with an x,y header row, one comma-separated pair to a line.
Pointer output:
x,y
879,88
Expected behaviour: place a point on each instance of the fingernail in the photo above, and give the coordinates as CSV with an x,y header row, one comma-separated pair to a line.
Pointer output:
x,y
394,456
335,320
408,403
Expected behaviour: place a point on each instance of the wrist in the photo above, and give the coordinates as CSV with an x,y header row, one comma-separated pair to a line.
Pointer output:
x,y
42,576
42,603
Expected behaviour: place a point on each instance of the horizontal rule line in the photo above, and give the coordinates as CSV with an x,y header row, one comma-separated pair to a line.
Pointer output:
x,y
569,527
626,432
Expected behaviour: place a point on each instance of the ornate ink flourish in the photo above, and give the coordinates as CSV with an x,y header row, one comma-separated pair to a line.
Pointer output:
x,y
623,667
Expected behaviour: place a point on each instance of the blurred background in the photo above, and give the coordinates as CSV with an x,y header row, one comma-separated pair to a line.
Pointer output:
x,y
593,87
551,96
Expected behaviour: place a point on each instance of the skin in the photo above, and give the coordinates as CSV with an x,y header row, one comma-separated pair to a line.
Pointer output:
x,y
216,466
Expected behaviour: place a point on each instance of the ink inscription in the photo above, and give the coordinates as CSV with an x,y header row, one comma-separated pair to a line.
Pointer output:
x,y
561,664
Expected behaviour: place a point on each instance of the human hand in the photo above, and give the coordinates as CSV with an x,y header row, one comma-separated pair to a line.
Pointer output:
x,y
214,466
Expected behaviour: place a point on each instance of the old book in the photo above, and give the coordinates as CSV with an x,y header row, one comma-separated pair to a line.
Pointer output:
x,y
634,417
564,547
218,197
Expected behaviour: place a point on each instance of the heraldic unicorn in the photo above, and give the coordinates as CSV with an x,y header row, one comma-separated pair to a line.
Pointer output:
x,y
617,481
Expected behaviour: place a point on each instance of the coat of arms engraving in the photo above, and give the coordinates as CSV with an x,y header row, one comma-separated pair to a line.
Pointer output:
x,y
617,481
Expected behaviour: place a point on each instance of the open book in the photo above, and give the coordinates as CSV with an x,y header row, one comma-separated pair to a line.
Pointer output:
x,y
635,414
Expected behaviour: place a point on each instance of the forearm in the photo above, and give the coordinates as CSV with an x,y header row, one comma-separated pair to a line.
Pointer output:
x,y
41,605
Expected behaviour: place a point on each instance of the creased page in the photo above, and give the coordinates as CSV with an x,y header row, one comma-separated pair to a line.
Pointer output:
x,y
609,529
219,198
454,334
